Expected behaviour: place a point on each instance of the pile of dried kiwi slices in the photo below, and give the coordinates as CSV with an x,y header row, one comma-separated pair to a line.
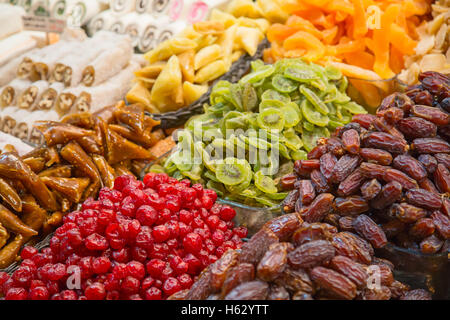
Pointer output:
x,y
253,130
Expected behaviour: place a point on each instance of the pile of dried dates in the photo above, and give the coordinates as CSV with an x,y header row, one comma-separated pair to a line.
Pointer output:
x,y
292,259
385,176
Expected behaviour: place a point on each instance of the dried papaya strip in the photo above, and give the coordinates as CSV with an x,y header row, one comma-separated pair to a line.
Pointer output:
x,y
75,155
106,171
12,222
381,46
401,41
359,19
298,23
11,166
8,253
360,59
10,196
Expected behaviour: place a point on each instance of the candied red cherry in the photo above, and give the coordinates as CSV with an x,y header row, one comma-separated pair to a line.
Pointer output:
x,y
3,278
155,267
220,251
52,287
106,216
36,283
106,204
139,254
136,269
29,263
95,291
160,251
144,239
192,242
240,231
198,188
153,294
92,204
16,294
227,213
74,237
185,281
101,265
222,226
211,194
185,216
194,264
171,286
122,255
23,276
87,226
198,223
160,178
123,181
128,207
207,202
184,229
111,283
56,272
96,242
28,252
212,221
139,197
113,295
148,179
146,215
164,216
129,229
188,194
212,258
155,201
68,295
218,237
147,283
39,293
129,285
160,233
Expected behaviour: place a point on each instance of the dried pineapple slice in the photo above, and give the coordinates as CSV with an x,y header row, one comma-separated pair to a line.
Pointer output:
x,y
272,11
227,19
209,27
192,92
152,71
168,48
226,41
187,65
262,24
140,94
236,55
211,71
166,85
249,38
244,8
207,55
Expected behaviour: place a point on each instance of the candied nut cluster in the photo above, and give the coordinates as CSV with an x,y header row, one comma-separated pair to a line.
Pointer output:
x,y
385,176
291,259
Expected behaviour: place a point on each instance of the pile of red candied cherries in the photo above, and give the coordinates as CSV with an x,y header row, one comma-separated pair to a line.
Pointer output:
x,y
142,240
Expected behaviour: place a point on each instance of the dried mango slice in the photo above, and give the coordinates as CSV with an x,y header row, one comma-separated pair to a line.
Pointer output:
x,y
401,41
301,39
227,19
151,71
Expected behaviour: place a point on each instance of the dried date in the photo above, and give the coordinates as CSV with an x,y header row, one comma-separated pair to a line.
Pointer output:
x,y
378,156
317,210
351,184
405,181
333,282
319,182
431,244
346,165
352,205
370,231
422,228
408,213
424,199
350,139
351,269
370,189
432,114
429,162
415,127
385,141
430,145
442,224
410,166
253,290
311,254
442,178
390,193
327,163
314,231
273,262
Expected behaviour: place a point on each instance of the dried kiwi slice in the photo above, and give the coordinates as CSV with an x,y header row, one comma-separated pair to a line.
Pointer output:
x,y
277,196
283,84
354,108
300,74
232,171
271,119
270,104
275,95
299,155
292,114
249,97
259,74
333,73
315,100
312,115
265,183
